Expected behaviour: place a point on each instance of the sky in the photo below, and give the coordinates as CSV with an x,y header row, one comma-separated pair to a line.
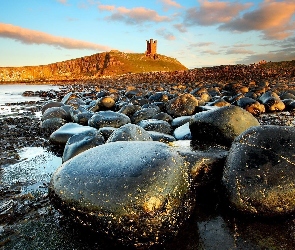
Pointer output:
x,y
198,33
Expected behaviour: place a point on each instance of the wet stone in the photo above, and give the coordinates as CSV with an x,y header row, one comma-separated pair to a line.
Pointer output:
x,y
161,137
108,119
220,126
140,196
81,142
54,112
129,132
259,173
183,132
156,125
66,131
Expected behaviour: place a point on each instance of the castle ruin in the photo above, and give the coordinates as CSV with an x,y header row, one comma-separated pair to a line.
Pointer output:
x,y
151,48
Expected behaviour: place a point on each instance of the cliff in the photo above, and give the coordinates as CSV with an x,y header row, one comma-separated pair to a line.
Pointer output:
x,y
91,67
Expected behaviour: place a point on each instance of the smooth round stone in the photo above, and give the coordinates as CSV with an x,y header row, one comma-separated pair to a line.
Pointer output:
x,y
143,114
108,119
54,112
66,131
139,195
81,142
156,125
129,132
182,105
220,126
179,121
129,109
52,124
259,173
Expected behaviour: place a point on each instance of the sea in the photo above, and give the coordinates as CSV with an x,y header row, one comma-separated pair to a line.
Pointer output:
x,y
12,94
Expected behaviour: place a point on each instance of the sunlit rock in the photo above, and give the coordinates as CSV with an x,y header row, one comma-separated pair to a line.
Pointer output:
x,y
182,105
272,101
138,193
259,174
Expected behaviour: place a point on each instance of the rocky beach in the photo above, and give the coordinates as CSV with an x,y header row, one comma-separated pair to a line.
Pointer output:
x,y
190,159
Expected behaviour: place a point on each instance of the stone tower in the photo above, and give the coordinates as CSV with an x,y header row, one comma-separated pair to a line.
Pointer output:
x,y
151,48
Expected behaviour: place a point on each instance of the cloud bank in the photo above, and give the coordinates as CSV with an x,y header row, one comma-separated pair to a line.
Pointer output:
x,y
28,36
137,15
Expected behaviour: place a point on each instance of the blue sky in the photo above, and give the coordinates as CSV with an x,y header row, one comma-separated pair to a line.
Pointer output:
x,y
196,32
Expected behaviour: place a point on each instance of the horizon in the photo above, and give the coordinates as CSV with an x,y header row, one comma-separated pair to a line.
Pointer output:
x,y
196,33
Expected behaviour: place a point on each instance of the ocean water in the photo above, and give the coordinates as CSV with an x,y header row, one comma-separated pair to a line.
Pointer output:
x,y
12,93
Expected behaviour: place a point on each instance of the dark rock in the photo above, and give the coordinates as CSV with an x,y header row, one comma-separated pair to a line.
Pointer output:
x,y
108,119
143,114
156,125
106,132
140,197
66,131
182,105
129,109
163,116
78,143
54,112
52,124
83,118
161,137
220,126
129,132
259,173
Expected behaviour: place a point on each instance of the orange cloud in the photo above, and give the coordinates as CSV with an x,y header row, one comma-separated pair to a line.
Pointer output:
x,y
215,12
28,36
165,34
134,15
170,3
273,18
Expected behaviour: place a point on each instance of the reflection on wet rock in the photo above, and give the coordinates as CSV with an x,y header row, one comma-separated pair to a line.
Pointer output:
x,y
140,196
62,135
108,119
78,143
259,173
220,126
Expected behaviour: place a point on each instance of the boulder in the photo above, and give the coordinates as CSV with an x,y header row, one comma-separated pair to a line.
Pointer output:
x,y
129,132
182,105
156,125
78,143
54,112
66,131
138,193
108,119
143,114
161,137
259,173
220,126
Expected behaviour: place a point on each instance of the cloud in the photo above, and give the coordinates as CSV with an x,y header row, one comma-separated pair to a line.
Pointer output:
x,y
210,52
180,27
273,18
166,34
170,4
238,51
201,44
212,13
28,36
132,16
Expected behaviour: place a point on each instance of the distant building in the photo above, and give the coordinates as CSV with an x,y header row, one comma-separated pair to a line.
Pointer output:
x,y
151,48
